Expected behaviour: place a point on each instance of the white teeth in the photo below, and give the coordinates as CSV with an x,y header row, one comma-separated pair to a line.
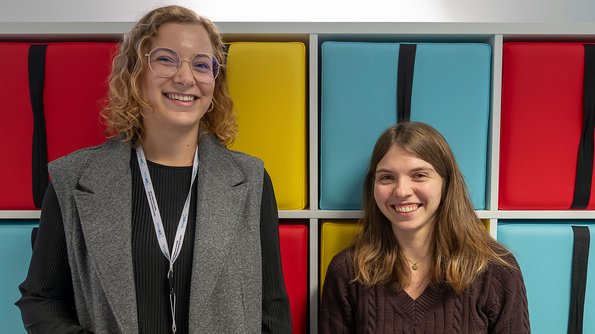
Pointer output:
x,y
406,208
180,97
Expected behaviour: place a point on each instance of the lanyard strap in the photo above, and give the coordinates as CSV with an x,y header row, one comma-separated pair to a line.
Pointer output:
x,y
158,223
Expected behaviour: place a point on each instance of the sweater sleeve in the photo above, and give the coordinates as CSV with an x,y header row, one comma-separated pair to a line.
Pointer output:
x,y
337,308
47,301
276,316
508,309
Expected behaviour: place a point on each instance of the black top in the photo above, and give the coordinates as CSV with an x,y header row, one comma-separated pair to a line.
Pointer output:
x,y
47,303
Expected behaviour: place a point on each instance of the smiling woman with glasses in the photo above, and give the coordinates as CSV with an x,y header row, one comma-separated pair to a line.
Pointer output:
x,y
162,229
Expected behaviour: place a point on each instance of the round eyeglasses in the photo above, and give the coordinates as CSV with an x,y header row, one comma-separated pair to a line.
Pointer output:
x,y
166,62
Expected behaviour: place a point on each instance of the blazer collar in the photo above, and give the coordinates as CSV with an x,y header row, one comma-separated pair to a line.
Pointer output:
x,y
103,202
222,194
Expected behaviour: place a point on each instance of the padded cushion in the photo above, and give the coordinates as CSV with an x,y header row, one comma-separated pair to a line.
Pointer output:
x,y
544,252
334,237
542,117
293,239
75,89
16,130
451,91
75,93
15,255
267,81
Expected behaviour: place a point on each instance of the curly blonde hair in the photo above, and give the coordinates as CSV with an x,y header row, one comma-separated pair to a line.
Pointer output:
x,y
123,113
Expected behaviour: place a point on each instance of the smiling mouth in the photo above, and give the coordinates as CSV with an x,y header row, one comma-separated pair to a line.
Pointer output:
x,y
181,97
406,208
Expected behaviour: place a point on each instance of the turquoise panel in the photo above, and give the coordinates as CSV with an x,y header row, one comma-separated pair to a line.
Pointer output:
x,y
15,254
355,110
451,91
544,252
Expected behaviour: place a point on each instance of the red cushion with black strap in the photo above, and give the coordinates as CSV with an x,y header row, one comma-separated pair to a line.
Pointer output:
x,y
542,120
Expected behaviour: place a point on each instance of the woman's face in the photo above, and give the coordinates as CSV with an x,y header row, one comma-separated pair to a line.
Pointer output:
x,y
407,191
180,101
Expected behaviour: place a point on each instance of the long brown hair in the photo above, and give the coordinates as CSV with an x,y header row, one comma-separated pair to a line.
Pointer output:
x,y
123,113
460,245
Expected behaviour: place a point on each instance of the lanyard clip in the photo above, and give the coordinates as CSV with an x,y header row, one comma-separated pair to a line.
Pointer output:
x,y
170,280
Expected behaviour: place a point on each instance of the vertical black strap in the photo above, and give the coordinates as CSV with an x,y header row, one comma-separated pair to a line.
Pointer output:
x,y
39,150
584,165
405,81
580,262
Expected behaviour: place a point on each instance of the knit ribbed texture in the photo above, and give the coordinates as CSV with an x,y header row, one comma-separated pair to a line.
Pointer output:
x,y
495,303
171,185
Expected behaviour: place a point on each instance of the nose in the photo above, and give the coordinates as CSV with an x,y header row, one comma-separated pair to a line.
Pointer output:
x,y
402,188
184,76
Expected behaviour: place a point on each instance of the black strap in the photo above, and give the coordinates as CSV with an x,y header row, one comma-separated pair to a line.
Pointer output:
x,y
580,262
39,149
405,81
584,165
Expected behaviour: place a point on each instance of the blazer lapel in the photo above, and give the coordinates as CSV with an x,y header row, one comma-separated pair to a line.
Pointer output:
x,y
221,197
104,206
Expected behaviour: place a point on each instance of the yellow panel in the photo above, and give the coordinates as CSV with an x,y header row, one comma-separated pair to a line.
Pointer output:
x,y
486,223
334,237
267,81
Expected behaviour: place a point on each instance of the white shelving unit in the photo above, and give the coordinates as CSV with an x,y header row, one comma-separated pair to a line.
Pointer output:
x,y
313,34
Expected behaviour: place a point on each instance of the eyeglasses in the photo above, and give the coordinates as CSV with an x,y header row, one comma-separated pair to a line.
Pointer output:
x,y
166,62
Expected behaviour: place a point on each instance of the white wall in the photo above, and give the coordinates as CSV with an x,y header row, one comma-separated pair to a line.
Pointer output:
x,y
307,10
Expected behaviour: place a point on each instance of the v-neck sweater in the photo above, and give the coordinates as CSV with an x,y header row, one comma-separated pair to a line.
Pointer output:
x,y
495,302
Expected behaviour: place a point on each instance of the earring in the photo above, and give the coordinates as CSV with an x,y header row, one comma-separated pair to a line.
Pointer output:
x,y
211,106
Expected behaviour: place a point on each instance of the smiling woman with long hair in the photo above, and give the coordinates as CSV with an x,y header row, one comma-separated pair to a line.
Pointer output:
x,y
423,262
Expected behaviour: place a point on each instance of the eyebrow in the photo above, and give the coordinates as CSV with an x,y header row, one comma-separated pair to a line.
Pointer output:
x,y
414,170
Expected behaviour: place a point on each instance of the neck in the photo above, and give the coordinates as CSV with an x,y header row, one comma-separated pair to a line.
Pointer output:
x,y
173,150
415,248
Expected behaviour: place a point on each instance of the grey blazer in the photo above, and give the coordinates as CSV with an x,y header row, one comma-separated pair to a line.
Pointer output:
x,y
94,191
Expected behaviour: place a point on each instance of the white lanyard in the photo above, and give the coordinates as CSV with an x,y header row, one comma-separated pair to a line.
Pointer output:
x,y
158,223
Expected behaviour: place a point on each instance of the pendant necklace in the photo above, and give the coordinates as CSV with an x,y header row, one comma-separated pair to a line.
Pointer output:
x,y
414,265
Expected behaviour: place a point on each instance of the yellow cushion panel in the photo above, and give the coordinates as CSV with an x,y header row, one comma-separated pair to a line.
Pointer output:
x,y
334,237
267,81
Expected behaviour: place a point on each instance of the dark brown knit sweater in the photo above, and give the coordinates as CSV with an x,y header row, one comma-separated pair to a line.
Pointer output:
x,y
496,302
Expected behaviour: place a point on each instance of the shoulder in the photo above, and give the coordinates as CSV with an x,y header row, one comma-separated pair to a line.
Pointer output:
x,y
218,158
342,264
503,297
80,159
247,160
506,275
501,280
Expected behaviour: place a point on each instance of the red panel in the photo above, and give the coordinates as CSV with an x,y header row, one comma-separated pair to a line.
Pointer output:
x,y
542,113
293,239
16,129
75,93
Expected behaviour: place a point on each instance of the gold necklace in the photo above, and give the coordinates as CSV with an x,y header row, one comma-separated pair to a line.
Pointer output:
x,y
414,265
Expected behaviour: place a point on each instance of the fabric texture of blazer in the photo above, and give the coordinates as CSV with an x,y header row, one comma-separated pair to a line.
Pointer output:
x,y
94,190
